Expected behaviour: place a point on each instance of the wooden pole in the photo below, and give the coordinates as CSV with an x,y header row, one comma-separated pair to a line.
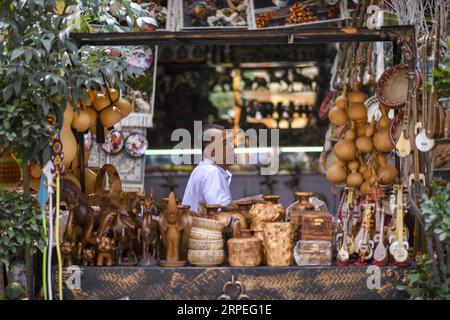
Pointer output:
x,y
29,268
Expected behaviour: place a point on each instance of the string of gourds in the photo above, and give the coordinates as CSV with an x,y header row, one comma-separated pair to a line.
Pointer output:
x,y
105,107
360,154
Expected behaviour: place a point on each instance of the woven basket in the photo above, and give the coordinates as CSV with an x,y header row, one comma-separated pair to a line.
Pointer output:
x,y
203,258
195,244
207,224
205,234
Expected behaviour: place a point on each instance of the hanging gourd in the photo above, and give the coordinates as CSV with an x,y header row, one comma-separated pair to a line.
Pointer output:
x,y
81,120
92,116
337,172
345,148
381,139
357,111
355,178
67,138
100,102
364,143
338,114
385,172
112,95
110,117
124,106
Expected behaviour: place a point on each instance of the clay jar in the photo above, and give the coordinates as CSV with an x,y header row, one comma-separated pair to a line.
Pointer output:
x,y
338,114
386,173
278,243
357,111
244,250
337,172
345,148
355,178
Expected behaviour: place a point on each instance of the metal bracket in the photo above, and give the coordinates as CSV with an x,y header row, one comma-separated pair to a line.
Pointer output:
x,y
233,283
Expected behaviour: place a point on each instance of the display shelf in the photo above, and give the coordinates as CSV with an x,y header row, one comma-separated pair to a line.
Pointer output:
x,y
194,283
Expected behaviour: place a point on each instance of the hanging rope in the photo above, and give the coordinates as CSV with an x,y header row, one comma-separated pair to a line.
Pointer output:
x,y
58,249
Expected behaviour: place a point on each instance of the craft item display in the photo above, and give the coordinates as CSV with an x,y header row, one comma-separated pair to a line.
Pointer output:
x,y
278,243
171,226
206,242
313,253
244,249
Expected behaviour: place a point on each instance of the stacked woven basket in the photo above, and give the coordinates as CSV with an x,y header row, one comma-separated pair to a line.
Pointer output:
x,y
206,243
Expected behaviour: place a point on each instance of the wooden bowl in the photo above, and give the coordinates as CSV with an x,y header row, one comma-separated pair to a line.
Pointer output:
x,y
205,234
195,244
206,258
208,224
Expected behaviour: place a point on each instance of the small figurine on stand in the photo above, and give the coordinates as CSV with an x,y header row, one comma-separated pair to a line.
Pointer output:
x,y
147,233
68,251
89,256
171,226
106,248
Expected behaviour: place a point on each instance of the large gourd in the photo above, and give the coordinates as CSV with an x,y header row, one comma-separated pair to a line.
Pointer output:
x,y
385,172
357,111
381,139
81,120
345,148
338,114
364,143
337,172
124,106
355,178
68,140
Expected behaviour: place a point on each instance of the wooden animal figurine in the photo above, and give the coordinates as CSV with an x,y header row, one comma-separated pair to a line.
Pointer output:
x,y
125,233
147,233
69,253
171,226
89,256
106,248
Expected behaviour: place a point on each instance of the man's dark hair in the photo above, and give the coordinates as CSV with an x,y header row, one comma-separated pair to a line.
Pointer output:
x,y
208,127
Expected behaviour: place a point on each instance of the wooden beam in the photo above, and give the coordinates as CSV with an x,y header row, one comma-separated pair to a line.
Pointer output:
x,y
242,37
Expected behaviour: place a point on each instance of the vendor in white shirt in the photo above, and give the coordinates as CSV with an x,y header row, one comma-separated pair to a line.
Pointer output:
x,y
209,182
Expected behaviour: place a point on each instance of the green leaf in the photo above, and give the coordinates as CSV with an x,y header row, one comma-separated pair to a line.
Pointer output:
x,y
7,92
17,53
47,44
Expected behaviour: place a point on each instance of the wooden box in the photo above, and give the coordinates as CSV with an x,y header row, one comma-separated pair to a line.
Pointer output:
x,y
313,253
315,225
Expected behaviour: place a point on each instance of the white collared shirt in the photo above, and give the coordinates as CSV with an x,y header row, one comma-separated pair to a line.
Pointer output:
x,y
208,183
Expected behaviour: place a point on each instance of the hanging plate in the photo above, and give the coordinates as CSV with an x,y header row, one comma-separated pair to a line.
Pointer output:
x,y
114,142
136,144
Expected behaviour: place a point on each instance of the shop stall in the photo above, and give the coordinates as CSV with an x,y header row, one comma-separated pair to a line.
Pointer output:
x,y
111,201
333,261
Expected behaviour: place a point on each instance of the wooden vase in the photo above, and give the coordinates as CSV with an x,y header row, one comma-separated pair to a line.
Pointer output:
x,y
279,243
245,250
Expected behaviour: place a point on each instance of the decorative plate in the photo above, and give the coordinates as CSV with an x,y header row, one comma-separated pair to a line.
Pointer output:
x,y
392,87
136,144
114,142
141,57
88,140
